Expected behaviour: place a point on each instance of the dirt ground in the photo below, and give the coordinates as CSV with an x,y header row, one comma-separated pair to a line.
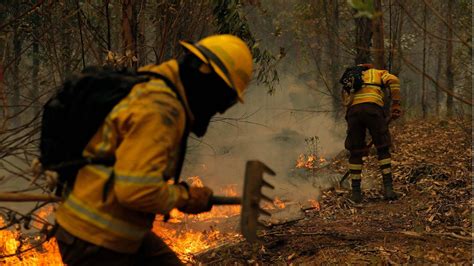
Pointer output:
x,y
430,223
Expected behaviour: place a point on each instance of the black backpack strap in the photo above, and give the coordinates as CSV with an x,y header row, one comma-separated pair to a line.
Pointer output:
x,y
167,82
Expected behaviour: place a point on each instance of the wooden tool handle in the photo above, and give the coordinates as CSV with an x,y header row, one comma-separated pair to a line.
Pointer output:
x,y
22,197
220,200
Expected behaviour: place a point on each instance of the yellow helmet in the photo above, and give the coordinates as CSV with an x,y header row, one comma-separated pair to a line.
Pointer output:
x,y
229,56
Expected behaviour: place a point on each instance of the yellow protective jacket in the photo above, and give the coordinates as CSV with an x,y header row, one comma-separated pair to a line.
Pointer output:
x,y
375,94
144,133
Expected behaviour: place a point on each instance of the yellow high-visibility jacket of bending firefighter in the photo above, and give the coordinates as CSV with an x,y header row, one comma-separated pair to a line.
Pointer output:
x,y
374,94
149,125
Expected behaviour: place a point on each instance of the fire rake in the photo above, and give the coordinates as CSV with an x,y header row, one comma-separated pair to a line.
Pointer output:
x,y
250,200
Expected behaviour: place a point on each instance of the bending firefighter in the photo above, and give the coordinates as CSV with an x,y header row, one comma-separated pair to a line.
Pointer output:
x,y
366,111
104,222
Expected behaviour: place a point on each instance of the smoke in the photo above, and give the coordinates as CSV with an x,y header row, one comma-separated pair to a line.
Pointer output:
x,y
269,128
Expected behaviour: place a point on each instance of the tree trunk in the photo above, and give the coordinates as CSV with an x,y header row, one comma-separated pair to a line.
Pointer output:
x,y
449,60
438,80
65,34
35,69
141,28
332,25
363,40
377,28
79,24
107,19
128,33
423,83
396,57
3,102
15,80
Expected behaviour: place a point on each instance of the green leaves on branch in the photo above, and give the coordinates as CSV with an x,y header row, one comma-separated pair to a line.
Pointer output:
x,y
364,8
230,19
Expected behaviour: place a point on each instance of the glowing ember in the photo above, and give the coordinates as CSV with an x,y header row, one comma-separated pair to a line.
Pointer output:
x,y
280,204
195,181
315,204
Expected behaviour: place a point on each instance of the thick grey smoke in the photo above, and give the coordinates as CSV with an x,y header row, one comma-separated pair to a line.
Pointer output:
x,y
269,128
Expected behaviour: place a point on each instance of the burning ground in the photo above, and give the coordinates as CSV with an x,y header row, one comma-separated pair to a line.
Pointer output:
x,y
431,223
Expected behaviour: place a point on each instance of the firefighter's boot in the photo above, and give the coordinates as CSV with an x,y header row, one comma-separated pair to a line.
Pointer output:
x,y
388,192
356,191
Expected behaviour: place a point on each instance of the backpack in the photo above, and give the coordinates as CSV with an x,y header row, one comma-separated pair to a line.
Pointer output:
x,y
352,79
75,113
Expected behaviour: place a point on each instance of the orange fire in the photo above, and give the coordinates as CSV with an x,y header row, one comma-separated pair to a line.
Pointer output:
x,y
279,203
195,181
177,233
301,161
184,240
46,254
181,232
310,161
315,204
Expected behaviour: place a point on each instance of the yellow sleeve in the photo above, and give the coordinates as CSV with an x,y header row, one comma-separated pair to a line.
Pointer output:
x,y
394,84
151,132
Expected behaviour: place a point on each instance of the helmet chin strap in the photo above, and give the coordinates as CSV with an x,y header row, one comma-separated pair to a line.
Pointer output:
x,y
210,56
205,92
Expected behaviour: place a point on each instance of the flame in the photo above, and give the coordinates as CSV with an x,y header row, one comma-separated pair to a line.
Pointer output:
x,y
195,181
186,242
45,254
179,233
310,161
279,203
300,162
315,204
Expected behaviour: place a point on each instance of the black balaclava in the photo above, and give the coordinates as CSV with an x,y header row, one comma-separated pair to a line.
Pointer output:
x,y
207,93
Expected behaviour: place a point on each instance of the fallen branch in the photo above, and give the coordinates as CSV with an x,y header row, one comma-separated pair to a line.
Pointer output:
x,y
421,235
453,235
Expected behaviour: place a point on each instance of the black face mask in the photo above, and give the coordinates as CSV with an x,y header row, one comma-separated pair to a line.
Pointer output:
x,y
207,94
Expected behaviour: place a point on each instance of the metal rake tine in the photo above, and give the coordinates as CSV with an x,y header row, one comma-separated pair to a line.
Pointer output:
x,y
264,212
265,197
266,184
267,169
264,226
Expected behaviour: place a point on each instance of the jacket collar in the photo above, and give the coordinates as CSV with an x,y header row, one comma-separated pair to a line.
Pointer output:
x,y
170,69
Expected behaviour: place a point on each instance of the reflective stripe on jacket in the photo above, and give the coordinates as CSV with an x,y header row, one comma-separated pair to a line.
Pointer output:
x,y
373,93
143,132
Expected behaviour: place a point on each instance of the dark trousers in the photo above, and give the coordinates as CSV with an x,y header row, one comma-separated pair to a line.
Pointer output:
x,y
360,118
75,251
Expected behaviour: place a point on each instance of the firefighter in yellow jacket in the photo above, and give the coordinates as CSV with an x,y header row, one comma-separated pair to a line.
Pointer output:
x,y
366,111
109,223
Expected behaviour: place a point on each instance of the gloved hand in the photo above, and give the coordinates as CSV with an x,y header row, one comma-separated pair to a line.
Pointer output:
x,y
199,200
396,111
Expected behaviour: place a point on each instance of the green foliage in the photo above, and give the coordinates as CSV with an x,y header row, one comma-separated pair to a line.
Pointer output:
x,y
230,19
364,8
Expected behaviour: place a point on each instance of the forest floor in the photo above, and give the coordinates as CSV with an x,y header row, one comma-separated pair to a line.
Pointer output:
x,y
430,223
